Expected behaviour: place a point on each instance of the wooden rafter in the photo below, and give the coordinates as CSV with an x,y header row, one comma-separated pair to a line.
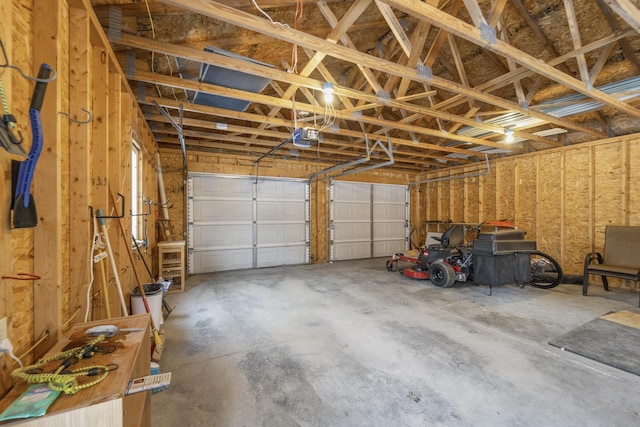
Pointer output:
x,y
577,41
242,19
376,52
472,34
626,46
627,11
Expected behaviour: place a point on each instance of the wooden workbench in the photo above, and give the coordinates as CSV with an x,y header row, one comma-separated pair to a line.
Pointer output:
x,y
105,403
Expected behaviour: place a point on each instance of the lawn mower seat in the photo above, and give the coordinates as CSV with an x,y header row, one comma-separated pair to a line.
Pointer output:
x,y
452,237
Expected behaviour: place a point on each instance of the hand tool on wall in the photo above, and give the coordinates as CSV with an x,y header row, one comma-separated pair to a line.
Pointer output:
x,y
24,207
8,140
156,335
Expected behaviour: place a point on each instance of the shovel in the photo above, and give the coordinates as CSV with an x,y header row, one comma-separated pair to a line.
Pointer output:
x,y
24,207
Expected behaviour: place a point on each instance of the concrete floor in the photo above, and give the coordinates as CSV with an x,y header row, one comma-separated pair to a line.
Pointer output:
x,y
350,344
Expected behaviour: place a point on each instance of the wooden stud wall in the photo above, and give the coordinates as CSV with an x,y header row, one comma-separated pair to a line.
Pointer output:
x,y
563,198
78,167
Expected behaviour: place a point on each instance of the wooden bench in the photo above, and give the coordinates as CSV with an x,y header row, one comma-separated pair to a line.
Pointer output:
x,y
621,258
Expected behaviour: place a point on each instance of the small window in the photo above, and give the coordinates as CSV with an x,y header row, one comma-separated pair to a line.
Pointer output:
x,y
136,188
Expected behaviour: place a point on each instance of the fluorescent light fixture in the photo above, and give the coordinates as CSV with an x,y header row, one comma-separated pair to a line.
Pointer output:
x,y
327,89
509,134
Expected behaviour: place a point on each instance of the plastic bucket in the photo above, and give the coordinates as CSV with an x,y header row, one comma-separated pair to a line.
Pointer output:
x,y
153,292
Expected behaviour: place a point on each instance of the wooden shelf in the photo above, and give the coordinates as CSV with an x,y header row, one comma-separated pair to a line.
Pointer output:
x,y
171,263
104,402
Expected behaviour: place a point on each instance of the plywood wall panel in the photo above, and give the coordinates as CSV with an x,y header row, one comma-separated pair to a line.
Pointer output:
x,y
549,207
608,187
506,190
444,199
633,178
577,207
433,202
526,200
470,191
487,196
456,191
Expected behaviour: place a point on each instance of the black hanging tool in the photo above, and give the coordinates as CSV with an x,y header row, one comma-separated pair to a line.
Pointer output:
x,y
24,207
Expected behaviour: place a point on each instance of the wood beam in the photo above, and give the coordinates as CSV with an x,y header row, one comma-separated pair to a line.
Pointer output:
x,y
496,12
80,157
48,249
473,8
523,72
256,118
629,52
300,81
627,11
600,62
418,40
472,34
346,40
577,41
217,10
395,27
338,31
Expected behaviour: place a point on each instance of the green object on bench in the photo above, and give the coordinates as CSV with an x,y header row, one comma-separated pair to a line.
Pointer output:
x,y
621,258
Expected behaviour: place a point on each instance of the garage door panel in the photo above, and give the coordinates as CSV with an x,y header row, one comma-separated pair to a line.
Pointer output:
x,y
269,234
389,193
221,260
367,220
230,229
221,187
222,236
281,190
223,210
388,247
385,230
352,231
281,211
352,192
269,257
352,250
352,211
389,212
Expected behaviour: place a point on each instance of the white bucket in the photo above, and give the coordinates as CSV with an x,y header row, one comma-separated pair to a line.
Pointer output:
x,y
153,292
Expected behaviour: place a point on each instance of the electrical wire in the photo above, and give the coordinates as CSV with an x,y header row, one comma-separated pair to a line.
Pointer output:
x,y
153,35
296,18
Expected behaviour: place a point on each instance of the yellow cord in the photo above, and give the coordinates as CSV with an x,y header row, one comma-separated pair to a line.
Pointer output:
x,y
60,379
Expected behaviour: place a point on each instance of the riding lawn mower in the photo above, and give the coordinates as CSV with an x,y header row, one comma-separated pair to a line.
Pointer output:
x,y
493,259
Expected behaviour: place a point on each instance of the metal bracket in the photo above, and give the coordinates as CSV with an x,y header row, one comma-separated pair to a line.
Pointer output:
x,y
110,216
488,33
115,24
424,71
80,122
35,79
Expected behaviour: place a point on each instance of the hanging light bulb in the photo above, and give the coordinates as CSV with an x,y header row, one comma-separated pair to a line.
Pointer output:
x,y
327,89
509,134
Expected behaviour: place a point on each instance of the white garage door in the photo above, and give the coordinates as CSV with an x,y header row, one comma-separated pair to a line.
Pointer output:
x,y
236,222
367,220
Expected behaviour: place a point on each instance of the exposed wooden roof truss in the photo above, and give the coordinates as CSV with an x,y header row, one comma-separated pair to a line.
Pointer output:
x,y
444,81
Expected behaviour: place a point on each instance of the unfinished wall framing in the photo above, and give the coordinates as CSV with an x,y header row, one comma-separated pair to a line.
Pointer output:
x,y
80,165
563,198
